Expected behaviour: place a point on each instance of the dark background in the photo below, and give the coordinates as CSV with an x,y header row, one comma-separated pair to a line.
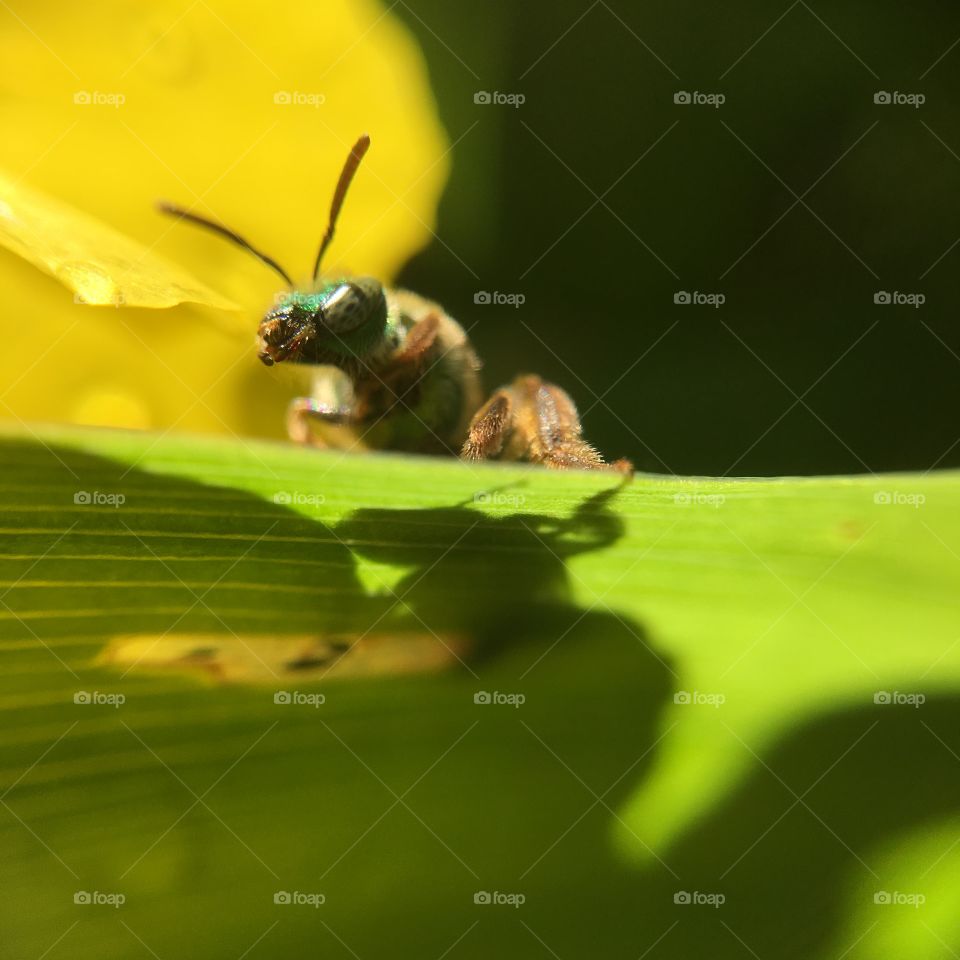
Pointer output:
x,y
799,371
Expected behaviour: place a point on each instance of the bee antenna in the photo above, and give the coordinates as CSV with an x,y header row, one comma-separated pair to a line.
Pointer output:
x,y
219,228
343,184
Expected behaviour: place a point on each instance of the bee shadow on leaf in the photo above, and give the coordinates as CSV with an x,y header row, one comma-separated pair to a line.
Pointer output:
x,y
500,580
524,712
496,695
562,698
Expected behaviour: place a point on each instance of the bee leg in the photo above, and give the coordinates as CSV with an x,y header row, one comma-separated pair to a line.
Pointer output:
x,y
536,422
488,428
420,337
552,417
303,410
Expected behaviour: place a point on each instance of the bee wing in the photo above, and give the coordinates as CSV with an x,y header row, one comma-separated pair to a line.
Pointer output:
x,y
101,265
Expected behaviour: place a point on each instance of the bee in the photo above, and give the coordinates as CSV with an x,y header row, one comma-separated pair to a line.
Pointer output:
x,y
412,378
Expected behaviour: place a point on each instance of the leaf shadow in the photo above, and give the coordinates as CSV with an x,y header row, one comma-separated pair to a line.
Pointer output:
x,y
407,796
801,846
512,763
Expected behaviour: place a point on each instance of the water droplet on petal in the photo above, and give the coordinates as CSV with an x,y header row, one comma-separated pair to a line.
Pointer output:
x,y
92,284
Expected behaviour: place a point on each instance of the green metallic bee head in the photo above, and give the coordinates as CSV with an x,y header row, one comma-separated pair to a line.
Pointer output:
x,y
335,322
338,322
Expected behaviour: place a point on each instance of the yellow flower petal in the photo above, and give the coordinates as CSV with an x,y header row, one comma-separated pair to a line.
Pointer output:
x,y
241,113
100,264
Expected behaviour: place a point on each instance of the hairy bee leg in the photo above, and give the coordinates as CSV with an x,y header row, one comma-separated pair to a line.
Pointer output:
x,y
304,409
486,436
561,444
420,338
536,422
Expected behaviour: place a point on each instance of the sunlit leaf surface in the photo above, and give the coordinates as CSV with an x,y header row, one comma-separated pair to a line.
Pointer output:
x,y
681,716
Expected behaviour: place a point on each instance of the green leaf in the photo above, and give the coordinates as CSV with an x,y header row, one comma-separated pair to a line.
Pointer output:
x,y
742,693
